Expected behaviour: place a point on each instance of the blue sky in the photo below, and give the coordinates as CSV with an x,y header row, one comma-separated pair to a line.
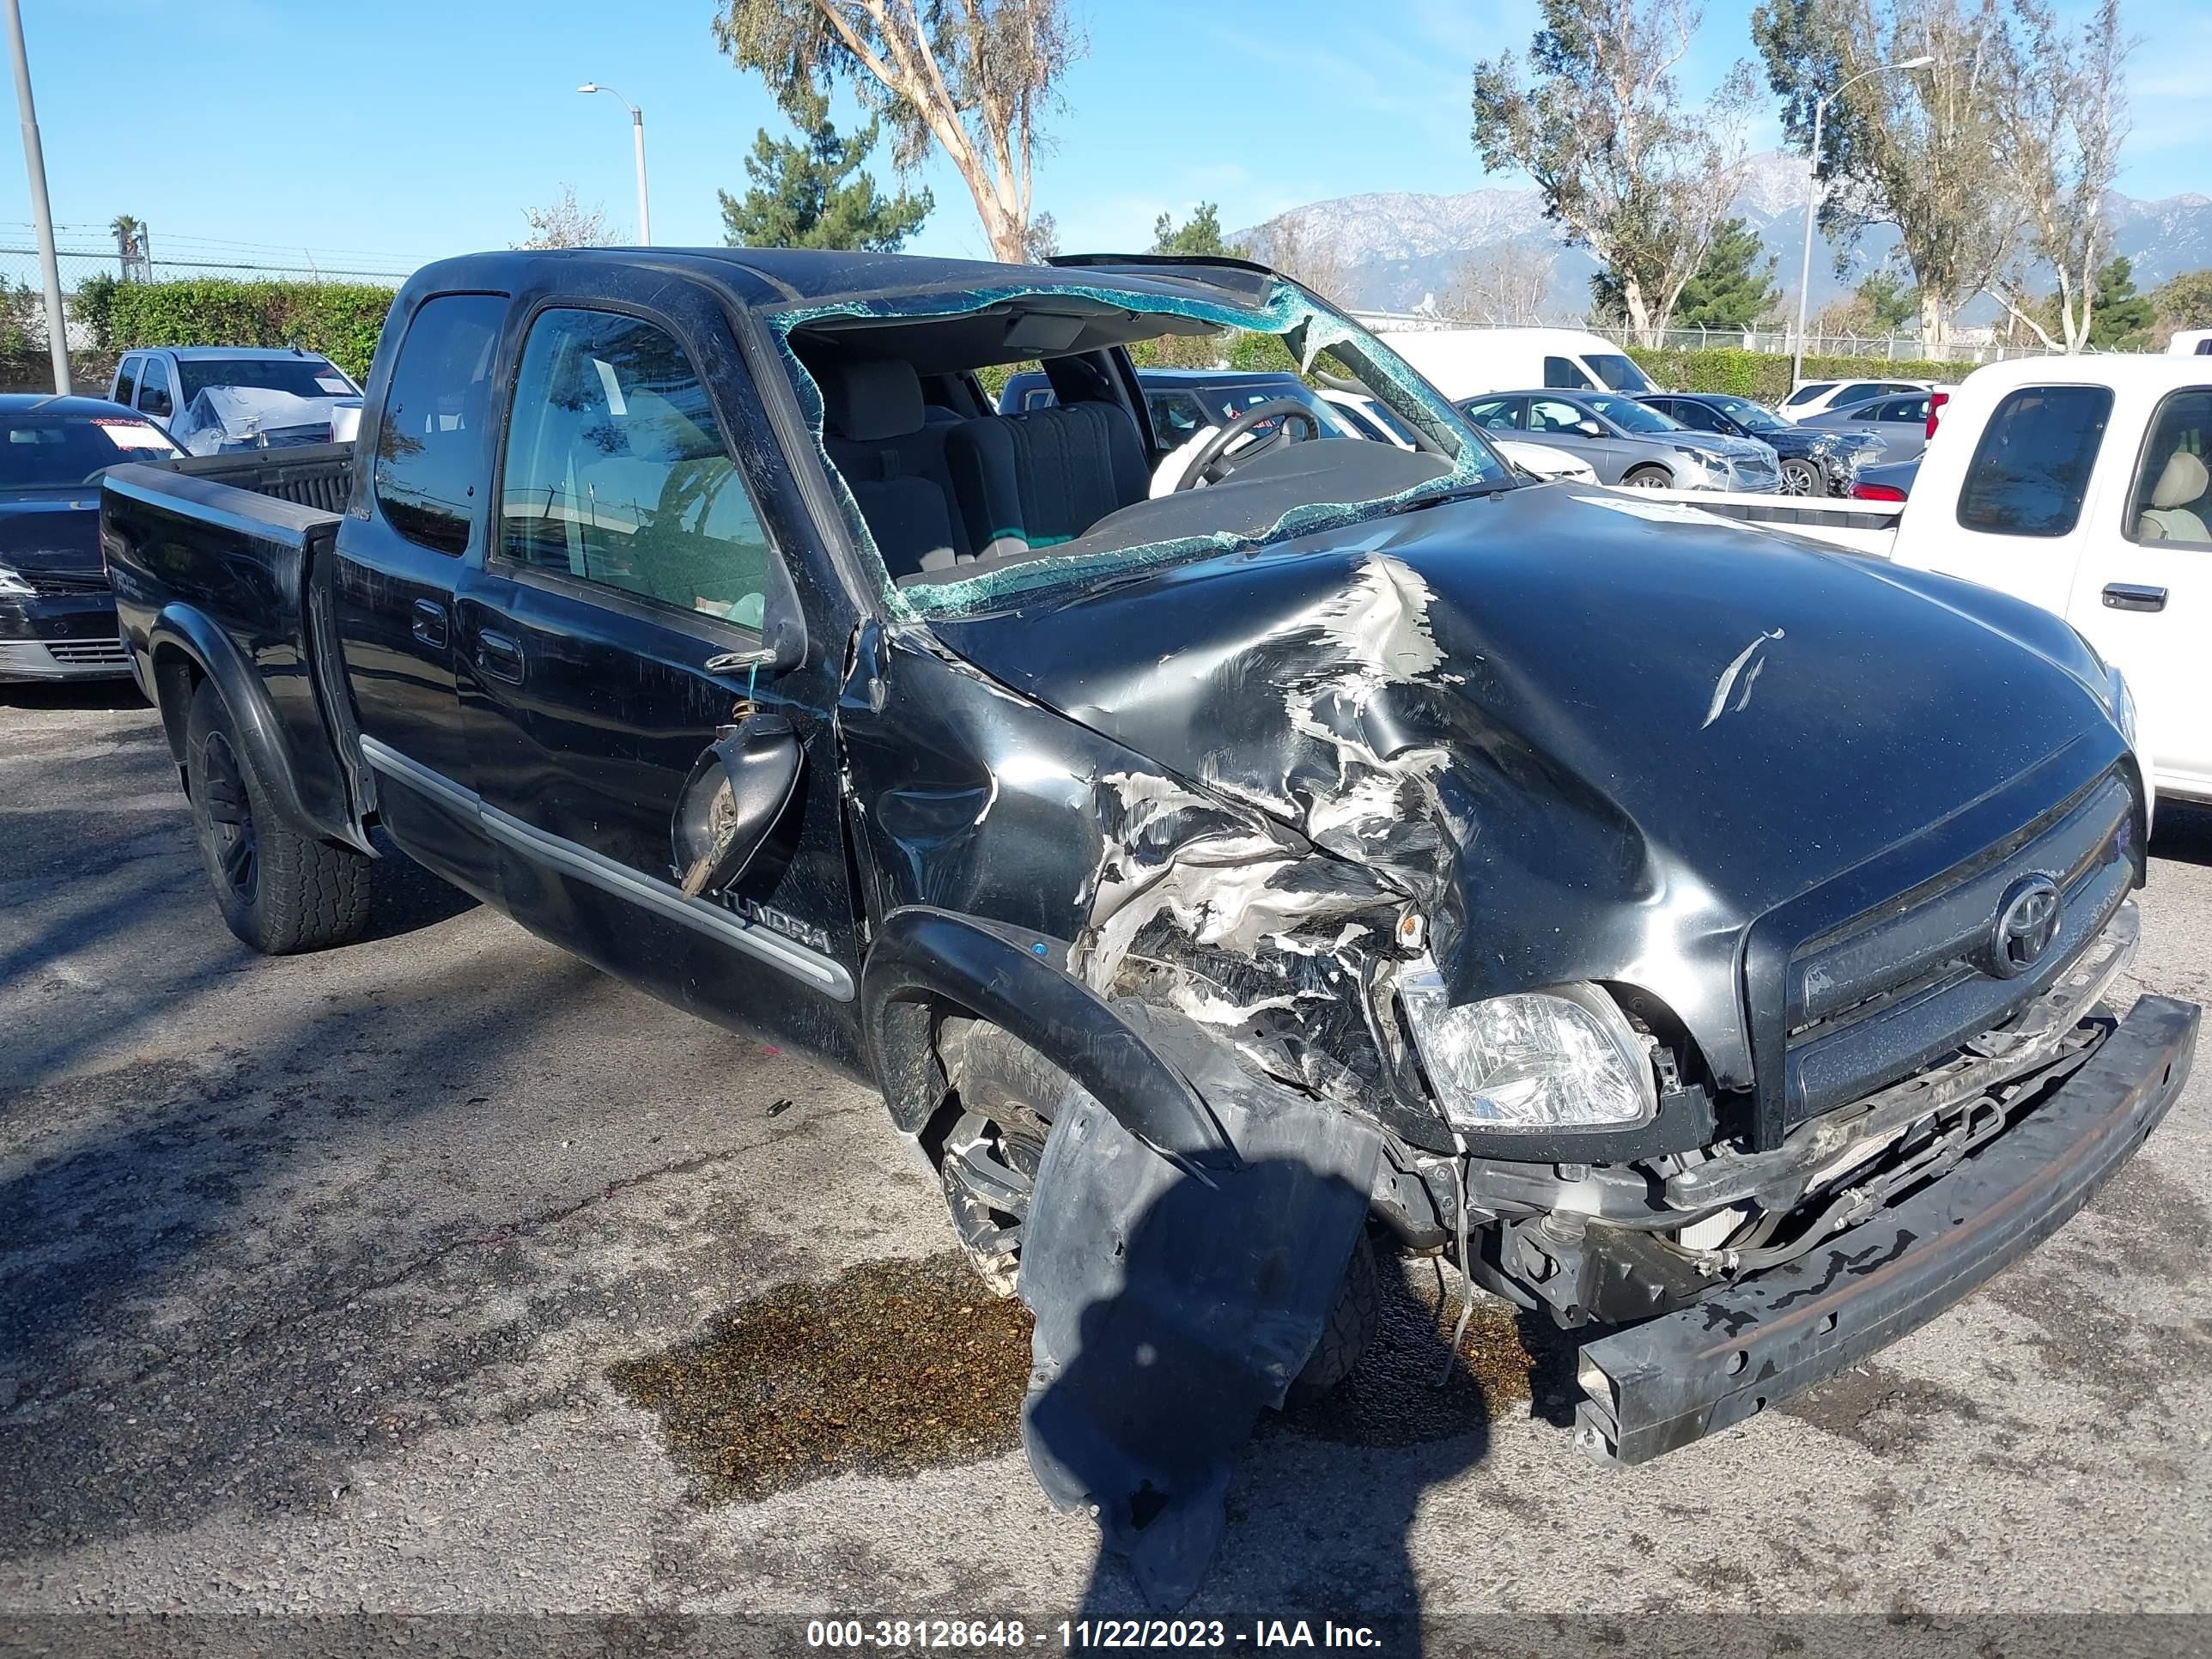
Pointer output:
x,y
401,131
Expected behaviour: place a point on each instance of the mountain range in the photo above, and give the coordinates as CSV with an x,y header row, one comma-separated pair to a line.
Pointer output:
x,y
1399,248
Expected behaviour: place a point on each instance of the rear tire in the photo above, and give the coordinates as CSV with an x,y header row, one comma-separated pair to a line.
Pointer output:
x,y
1649,477
988,1160
279,892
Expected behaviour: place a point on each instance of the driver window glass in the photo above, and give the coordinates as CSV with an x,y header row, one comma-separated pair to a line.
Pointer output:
x,y
1549,415
1694,415
616,471
154,389
2172,498
1565,373
126,382
1494,414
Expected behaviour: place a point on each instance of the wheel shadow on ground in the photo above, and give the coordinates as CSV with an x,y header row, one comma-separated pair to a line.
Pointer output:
x,y
2183,831
116,694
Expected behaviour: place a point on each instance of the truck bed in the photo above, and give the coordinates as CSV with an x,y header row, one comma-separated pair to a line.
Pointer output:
x,y
221,566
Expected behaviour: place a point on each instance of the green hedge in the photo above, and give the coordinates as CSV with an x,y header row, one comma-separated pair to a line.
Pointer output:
x,y
339,319
1764,375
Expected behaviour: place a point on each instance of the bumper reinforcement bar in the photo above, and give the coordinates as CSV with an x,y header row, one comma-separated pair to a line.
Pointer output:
x,y
1675,1379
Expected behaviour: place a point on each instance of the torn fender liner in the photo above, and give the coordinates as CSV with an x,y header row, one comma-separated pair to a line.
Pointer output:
x,y
1169,1312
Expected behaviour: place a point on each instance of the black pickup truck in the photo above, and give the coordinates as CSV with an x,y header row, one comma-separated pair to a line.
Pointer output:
x,y
1226,865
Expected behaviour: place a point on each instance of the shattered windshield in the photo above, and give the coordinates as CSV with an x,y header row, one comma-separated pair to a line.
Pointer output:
x,y
970,510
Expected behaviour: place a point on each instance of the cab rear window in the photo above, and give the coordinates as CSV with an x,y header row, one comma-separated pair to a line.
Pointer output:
x,y
2032,468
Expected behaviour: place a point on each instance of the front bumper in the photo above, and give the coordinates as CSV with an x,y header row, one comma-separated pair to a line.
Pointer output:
x,y
71,636
1731,1354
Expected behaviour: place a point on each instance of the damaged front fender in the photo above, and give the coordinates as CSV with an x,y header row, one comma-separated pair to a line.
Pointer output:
x,y
1171,1313
928,956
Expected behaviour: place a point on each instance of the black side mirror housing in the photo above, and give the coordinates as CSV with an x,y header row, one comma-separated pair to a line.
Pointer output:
x,y
737,790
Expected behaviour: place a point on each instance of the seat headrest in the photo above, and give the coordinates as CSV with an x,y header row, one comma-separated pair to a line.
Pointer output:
x,y
2181,482
870,398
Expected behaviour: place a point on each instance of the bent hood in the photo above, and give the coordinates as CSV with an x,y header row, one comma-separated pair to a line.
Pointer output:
x,y
1594,736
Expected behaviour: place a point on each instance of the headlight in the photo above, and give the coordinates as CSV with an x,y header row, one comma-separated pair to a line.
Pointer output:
x,y
13,586
1699,456
2121,702
1565,1058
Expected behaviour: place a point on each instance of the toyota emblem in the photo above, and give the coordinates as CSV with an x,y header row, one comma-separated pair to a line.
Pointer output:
x,y
2027,920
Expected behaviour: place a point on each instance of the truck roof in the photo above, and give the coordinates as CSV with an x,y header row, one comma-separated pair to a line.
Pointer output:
x,y
768,276
233,354
2131,371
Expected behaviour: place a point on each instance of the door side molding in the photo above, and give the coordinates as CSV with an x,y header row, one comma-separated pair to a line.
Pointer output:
x,y
824,974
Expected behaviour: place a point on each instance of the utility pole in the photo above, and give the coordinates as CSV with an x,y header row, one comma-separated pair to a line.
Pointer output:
x,y
637,136
42,217
1813,194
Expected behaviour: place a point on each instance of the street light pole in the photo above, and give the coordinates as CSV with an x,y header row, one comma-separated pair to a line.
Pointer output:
x,y
1813,194
637,136
42,217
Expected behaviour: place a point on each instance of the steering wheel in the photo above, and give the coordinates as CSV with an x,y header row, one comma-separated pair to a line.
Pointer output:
x,y
1207,465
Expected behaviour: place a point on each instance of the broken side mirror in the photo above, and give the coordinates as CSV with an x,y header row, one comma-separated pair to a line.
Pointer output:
x,y
737,790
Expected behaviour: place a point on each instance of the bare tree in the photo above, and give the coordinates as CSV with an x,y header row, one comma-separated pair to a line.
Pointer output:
x,y
1628,172
1914,148
568,223
1292,247
1508,283
2060,113
973,77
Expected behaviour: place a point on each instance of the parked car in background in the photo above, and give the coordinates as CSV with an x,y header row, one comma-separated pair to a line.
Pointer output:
x,y
1897,425
1813,462
161,382
2081,485
57,614
1371,419
1626,442
1465,363
1819,397
1886,481
2191,343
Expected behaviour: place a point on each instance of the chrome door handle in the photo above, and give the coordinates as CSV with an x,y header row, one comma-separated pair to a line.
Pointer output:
x,y
2129,596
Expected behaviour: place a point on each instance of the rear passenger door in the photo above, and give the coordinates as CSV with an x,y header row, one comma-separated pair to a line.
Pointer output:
x,y
626,612
399,551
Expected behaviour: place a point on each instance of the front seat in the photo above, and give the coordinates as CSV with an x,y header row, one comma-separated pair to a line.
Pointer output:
x,y
877,433
2170,518
1045,476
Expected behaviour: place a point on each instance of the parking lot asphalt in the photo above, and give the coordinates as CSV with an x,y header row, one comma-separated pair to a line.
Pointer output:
x,y
441,1273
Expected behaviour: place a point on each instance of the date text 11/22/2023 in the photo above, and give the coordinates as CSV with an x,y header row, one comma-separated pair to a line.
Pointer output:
x,y
1086,1634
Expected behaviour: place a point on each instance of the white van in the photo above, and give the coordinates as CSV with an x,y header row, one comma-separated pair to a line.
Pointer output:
x,y
2189,343
1467,362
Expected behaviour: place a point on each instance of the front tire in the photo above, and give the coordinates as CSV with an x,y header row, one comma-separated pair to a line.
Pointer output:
x,y
1649,477
988,1159
1801,478
279,892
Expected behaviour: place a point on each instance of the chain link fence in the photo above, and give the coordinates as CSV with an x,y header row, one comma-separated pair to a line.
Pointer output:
x,y
1967,346
19,271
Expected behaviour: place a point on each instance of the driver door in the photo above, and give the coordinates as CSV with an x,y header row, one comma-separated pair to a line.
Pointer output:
x,y
1555,422
632,604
